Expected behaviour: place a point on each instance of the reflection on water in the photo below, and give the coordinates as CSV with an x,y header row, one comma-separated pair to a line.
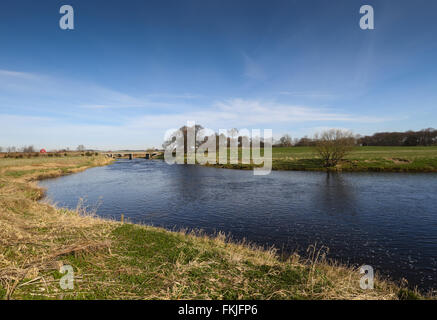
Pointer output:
x,y
335,193
385,220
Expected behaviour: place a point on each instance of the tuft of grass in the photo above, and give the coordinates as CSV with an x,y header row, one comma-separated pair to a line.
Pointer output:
x,y
407,294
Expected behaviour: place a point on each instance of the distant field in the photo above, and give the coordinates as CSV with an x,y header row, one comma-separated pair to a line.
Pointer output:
x,y
393,159
396,159
361,152
41,161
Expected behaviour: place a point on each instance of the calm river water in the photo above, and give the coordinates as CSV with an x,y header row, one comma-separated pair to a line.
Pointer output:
x,y
386,220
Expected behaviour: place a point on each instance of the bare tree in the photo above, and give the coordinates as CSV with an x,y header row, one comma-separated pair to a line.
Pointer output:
x,y
80,147
286,141
305,142
184,130
11,149
233,133
1,149
332,145
29,149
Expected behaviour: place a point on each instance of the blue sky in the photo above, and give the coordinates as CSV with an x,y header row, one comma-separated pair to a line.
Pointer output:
x,y
131,70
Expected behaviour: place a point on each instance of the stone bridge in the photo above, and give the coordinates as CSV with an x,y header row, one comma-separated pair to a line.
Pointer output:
x,y
132,155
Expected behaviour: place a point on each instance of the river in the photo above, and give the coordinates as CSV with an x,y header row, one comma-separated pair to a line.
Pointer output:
x,y
386,220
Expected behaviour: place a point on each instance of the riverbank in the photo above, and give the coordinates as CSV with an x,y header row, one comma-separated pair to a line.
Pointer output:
x,y
114,260
361,159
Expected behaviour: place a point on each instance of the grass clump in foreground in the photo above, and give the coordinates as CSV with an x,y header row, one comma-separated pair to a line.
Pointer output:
x,y
112,260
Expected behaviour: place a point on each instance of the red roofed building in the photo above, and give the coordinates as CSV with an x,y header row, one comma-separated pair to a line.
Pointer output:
x,y
42,151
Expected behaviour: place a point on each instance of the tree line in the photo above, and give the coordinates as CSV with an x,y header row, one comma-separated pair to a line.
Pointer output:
x,y
331,145
201,136
13,149
32,149
424,137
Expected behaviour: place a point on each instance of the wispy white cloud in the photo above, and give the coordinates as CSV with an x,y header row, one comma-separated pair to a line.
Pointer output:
x,y
252,69
310,94
95,106
175,96
17,74
248,113
31,86
113,119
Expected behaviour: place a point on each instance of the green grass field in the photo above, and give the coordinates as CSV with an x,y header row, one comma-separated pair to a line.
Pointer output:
x,y
391,159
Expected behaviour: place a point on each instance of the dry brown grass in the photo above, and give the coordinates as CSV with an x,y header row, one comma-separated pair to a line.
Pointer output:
x,y
35,235
325,279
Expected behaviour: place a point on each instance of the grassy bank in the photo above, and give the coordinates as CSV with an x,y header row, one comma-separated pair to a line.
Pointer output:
x,y
114,260
373,159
